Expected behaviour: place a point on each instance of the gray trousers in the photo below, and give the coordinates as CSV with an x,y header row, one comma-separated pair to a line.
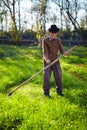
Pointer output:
x,y
57,75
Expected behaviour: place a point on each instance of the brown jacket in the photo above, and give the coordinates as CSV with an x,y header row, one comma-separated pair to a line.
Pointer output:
x,y
51,47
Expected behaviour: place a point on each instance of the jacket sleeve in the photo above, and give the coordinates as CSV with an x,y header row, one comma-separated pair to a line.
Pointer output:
x,y
61,47
45,50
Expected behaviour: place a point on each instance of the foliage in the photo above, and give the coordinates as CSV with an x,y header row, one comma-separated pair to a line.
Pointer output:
x,y
83,33
65,34
29,34
1,33
27,108
14,34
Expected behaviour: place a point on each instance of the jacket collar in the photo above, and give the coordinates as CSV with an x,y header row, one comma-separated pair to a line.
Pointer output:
x,y
52,38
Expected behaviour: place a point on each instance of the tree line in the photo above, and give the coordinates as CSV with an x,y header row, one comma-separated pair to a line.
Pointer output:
x,y
64,13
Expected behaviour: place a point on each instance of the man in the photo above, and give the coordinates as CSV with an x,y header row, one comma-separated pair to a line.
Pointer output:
x,y
50,46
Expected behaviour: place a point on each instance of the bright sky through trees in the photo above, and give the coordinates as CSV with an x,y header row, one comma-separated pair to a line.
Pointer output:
x,y
28,18
53,14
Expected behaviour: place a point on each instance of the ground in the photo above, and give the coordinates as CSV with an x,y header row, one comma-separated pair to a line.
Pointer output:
x,y
27,108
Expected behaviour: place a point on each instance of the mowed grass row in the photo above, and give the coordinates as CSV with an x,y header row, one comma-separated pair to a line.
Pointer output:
x,y
27,108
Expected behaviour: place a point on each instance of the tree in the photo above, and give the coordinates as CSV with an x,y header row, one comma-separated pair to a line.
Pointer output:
x,y
70,15
60,4
39,7
85,15
19,15
66,8
10,4
3,19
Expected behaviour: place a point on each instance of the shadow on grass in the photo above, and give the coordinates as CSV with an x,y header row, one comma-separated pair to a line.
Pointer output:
x,y
75,90
8,51
14,61
77,56
15,52
13,123
7,87
79,99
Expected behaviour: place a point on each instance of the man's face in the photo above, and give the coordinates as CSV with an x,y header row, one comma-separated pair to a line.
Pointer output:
x,y
53,35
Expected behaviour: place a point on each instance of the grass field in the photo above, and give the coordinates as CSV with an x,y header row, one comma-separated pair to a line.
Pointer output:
x,y
27,108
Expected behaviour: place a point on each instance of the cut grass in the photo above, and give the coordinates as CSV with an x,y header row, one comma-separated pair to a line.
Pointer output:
x,y
27,108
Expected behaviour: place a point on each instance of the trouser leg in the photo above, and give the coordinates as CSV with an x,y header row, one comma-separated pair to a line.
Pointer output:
x,y
58,77
46,85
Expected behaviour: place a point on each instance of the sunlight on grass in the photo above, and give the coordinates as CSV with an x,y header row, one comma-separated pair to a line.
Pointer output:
x,y
76,70
27,108
18,64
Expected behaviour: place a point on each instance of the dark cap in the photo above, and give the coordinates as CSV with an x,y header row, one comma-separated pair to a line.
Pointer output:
x,y
53,29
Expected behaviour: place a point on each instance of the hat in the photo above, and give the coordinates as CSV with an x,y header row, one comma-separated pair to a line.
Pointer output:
x,y
53,29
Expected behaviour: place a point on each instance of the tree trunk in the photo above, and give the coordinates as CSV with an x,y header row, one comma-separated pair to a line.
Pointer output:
x,y
19,15
11,7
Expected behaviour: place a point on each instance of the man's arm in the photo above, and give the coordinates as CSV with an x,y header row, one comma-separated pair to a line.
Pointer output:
x,y
45,52
61,49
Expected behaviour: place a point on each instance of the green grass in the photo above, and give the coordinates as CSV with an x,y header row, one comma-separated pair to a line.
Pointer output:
x,y
27,108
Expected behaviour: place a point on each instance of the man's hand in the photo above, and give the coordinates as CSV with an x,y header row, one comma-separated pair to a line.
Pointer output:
x,y
66,53
48,61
